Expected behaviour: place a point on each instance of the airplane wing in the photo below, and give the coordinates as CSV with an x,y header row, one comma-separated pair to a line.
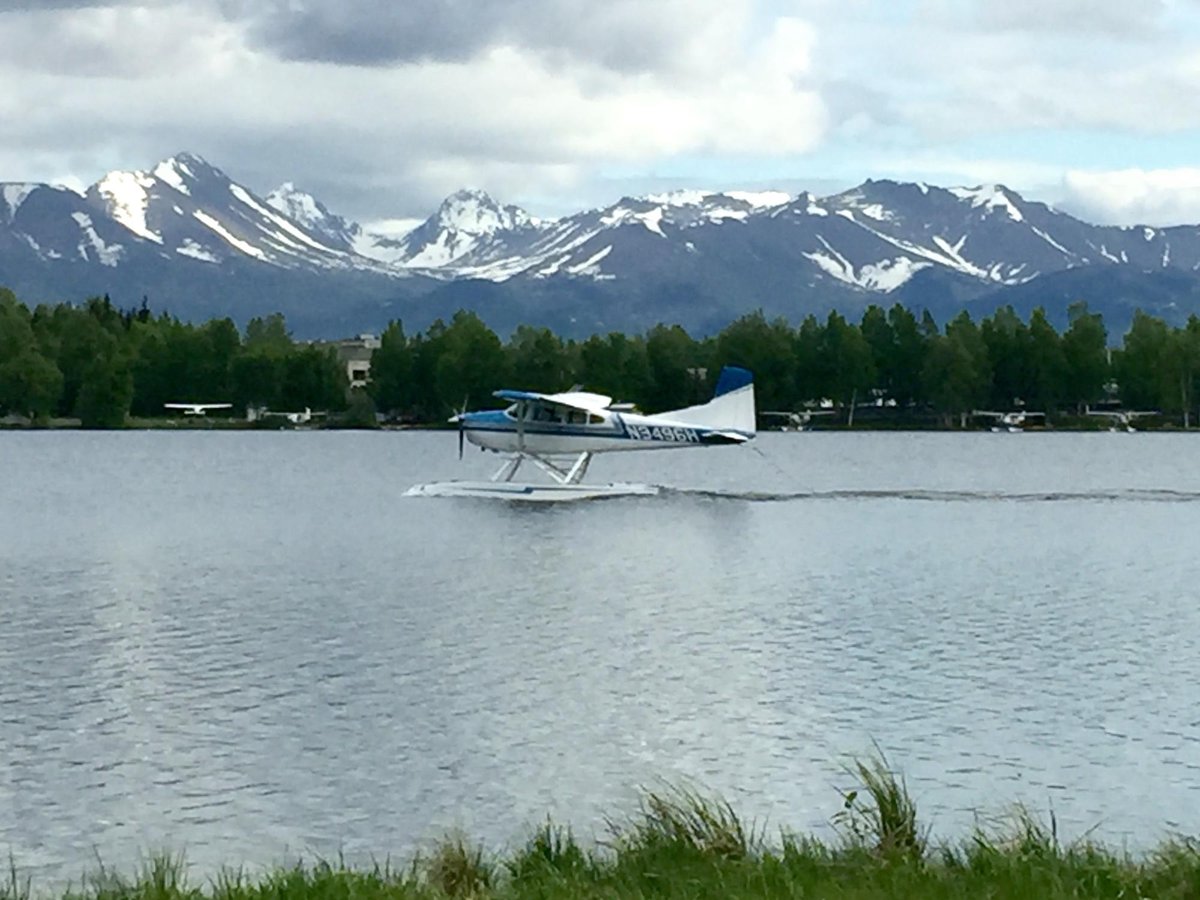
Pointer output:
x,y
580,400
198,405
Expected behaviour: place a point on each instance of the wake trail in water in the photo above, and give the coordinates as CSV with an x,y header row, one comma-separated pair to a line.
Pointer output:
x,y
1130,495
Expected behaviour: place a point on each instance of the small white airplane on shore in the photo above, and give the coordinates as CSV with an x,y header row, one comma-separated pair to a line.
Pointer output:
x,y
1011,422
560,433
1122,419
798,421
197,409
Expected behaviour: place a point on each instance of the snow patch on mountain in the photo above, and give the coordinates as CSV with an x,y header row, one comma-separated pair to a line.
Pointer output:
x,y
761,199
171,172
15,194
652,219
990,197
127,197
105,254
590,266
298,205
221,231
191,248
290,230
1052,242
890,274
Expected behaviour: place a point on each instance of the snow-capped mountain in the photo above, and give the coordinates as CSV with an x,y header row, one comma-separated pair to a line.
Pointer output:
x,y
469,225
183,231
874,238
192,209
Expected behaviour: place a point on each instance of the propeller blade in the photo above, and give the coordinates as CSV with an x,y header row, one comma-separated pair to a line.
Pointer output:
x,y
461,434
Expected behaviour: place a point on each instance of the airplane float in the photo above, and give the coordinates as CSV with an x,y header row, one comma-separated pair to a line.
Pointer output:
x,y
560,433
197,409
1011,422
1121,419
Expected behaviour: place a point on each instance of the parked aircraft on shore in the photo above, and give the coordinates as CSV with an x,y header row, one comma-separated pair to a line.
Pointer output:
x,y
560,433
1011,422
303,417
197,409
800,420
1122,419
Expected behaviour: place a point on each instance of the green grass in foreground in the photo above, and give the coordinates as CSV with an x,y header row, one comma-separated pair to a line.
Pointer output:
x,y
683,844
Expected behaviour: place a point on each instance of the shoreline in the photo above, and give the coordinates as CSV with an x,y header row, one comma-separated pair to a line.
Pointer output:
x,y
679,842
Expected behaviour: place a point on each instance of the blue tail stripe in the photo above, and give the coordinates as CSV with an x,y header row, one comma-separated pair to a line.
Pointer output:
x,y
731,379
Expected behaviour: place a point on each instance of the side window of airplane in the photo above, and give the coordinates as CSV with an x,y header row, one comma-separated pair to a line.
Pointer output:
x,y
576,417
594,419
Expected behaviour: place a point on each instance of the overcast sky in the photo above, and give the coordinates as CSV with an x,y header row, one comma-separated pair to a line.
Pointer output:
x,y
381,109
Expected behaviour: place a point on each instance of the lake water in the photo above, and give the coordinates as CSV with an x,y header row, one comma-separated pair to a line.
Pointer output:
x,y
251,646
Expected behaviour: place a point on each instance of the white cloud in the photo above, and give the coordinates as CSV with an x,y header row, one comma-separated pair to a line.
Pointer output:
x,y
388,141
1135,196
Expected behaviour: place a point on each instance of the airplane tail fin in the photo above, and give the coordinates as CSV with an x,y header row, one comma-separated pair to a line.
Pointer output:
x,y
731,409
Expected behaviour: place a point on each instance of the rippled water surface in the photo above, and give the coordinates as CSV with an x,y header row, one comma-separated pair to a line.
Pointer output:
x,y
250,646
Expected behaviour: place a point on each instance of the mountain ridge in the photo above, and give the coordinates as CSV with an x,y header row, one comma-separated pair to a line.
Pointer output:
x,y
184,231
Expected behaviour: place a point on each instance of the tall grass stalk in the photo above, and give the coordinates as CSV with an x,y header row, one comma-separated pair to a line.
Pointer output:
x,y
880,814
684,818
458,868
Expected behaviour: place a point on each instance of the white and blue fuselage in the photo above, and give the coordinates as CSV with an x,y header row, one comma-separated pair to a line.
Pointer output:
x,y
578,422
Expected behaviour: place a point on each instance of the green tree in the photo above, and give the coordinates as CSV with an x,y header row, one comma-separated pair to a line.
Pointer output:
x,y
956,373
1008,347
269,335
257,380
1047,364
30,384
674,377
881,339
1143,380
470,362
615,365
312,378
1085,353
1181,369
768,349
105,392
813,382
902,370
846,358
392,370
537,360
82,343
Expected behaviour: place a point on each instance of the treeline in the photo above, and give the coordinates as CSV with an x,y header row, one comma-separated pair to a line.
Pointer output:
x,y
100,364
890,358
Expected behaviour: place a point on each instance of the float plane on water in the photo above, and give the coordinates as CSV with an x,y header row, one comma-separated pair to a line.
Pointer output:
x,y
560,433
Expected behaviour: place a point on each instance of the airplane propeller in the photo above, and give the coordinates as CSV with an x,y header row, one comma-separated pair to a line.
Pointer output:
x,y
459,417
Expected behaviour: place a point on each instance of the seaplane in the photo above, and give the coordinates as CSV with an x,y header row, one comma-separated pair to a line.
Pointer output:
x,y
561,433
1010,422
1121,419
302,417
800,420
197,409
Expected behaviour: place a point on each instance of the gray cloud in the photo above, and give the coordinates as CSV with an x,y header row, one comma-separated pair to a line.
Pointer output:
x,y
624,35
24,6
